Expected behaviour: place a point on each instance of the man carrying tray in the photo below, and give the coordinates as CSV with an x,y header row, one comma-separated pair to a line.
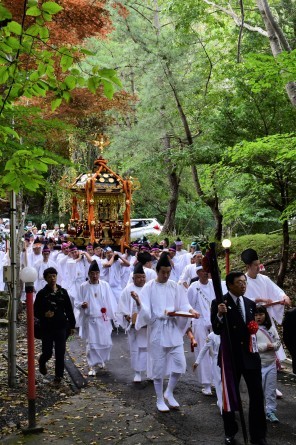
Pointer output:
x,y
165,333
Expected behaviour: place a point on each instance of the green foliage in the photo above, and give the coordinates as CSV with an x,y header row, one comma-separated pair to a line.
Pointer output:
x,y
25,169
271,161
23,47
266,69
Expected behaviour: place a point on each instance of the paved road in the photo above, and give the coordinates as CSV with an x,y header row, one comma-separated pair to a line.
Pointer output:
x,y
114,410
199,420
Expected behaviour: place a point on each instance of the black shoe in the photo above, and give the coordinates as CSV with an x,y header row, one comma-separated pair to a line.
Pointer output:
x,y
42,368
259,442
229,440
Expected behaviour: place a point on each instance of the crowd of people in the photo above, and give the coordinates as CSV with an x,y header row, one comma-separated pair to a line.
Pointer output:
x,y
158,294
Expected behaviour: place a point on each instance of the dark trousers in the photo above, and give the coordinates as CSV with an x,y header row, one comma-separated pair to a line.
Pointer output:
x,y
56,338
293,355
257,420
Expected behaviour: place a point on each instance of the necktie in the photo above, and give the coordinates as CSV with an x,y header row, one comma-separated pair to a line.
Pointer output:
x,y
239,307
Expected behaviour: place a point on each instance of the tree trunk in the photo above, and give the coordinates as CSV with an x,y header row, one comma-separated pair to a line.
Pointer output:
x,y
174,184
169,223
212,203
277,40
284,255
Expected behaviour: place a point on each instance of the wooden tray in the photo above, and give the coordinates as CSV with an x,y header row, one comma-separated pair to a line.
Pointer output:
x,y
180,314
273,303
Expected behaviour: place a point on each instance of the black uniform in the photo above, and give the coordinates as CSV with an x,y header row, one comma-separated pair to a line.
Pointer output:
x,y
54,330
289,334
246,363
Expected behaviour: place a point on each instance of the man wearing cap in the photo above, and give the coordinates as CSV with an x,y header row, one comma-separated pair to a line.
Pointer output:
x,y
53,308
200,295
128,311
165,333
97,305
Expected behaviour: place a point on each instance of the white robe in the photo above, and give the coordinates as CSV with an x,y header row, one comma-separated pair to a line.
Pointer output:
x,y
95,326
150,275
40,267
263,287
76,275
61,261
188,273
4,261
137,339
211,348
113,276
200,296
165,335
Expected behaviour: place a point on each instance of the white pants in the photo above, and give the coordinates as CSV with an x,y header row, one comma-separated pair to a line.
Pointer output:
x,y
269,377
204,370
138,354
216,372
97,356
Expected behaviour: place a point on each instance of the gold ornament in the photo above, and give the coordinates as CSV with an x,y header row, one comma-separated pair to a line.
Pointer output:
x,y
93,223
91,201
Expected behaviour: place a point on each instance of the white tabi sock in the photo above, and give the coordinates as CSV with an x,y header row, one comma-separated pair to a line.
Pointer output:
x,y
168,395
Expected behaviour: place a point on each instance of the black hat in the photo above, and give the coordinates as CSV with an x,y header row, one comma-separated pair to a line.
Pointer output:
x,y
144,257
138,269
163,261
95,245
37,242
178,242
249,255
94,267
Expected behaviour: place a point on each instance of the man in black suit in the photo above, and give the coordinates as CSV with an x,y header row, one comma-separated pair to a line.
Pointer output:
x,y
239,311
289,334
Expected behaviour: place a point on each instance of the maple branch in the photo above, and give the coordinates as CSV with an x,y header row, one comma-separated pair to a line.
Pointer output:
x,y
236,18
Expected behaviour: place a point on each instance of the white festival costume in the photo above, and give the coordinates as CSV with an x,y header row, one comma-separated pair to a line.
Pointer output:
x,y
200,296
211,347
113,276
40,267
263,287
165,334
95,324
137,339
